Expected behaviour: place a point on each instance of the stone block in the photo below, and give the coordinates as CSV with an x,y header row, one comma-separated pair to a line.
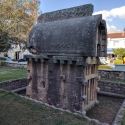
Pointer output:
x,y
65,49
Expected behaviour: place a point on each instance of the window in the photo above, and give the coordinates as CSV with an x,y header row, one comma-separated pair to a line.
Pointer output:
x,y
116,43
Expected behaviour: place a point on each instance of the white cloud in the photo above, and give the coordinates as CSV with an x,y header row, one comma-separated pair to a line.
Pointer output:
x,y
105,15
112,29
116,12
120,12
109,15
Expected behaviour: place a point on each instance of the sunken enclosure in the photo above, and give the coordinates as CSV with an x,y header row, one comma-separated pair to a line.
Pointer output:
x,y
63,68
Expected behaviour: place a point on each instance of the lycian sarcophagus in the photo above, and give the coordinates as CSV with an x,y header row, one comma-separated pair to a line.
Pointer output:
x,y
66,45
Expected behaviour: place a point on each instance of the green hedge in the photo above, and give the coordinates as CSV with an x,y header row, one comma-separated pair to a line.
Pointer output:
x,y
118,61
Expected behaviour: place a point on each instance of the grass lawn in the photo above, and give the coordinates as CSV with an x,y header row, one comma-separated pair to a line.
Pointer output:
x,y
15,110
9,73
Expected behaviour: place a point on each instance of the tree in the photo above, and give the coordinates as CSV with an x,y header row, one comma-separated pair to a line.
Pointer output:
x,y
17,17
4,43
120,52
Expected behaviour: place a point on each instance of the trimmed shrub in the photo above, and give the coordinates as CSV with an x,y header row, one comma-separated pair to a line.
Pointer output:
x,y
118,61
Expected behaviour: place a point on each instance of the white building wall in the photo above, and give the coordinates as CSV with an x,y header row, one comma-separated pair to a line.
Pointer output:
x,y
111,43
20,55
11,54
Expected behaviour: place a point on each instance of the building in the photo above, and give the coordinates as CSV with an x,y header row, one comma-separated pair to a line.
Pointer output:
x,y
115,40
16,52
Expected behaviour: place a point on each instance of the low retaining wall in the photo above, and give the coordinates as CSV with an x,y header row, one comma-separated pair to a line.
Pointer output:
x,y
112,88
106,87
14,64
120,115
112,74
14,84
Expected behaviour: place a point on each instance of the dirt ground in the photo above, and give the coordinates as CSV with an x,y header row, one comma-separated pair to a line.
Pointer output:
x,y
106,110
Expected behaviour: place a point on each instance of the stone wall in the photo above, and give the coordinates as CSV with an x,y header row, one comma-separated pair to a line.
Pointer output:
x,y
106,87
14,64
112,88
112,74
14,84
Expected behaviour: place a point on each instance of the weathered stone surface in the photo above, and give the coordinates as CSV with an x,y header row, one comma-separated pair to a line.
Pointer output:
x,y
14,84
64,68
83,36
74,12
108,74
114,88
60,84
50,86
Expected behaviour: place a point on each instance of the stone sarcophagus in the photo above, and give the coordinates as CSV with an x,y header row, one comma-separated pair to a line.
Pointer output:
x,y
66,46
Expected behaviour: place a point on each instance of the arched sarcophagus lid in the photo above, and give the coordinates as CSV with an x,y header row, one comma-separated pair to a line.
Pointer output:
x,y
83,35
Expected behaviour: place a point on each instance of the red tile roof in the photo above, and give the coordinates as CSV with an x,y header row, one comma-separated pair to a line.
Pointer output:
x,y
116,35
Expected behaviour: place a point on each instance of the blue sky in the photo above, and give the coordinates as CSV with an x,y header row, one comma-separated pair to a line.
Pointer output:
x,y
113,10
